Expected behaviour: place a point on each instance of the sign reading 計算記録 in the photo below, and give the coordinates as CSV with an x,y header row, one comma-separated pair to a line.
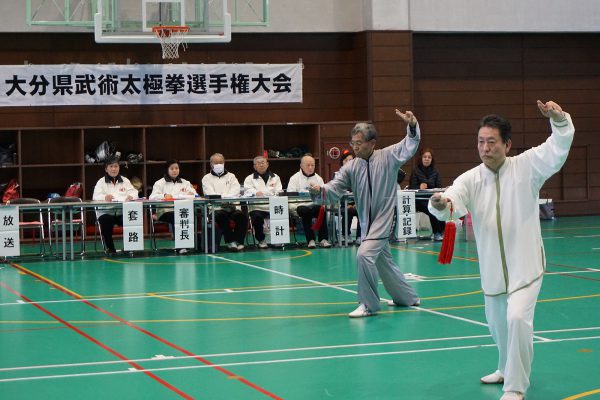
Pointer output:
x,y
406,226
91,84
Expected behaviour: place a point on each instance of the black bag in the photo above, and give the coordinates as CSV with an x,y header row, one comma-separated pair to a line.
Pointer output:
x,y
547,210
105,150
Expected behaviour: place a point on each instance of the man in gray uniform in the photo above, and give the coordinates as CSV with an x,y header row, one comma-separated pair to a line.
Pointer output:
x,y
371,176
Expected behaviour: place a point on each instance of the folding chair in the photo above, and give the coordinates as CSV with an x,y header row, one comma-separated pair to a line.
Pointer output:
x,y
98,228
29,221
154,221
77,224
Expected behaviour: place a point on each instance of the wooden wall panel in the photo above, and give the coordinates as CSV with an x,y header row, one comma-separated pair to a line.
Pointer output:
x,y
389,80
449,80
459,78
334,70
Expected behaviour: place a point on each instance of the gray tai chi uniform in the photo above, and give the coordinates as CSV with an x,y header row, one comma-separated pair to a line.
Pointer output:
x,y
373,183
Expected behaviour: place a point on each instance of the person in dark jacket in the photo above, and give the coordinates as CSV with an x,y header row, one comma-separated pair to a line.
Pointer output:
x,y
425,176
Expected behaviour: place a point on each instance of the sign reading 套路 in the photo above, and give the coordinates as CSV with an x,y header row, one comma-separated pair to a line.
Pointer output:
x,y
90,84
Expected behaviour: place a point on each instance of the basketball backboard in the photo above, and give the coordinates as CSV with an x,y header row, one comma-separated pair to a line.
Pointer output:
x,y
126,21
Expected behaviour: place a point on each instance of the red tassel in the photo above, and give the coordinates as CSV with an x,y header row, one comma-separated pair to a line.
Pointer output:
x,y
320,219
447,250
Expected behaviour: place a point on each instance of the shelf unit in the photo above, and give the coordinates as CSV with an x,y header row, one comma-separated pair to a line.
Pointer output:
x,y
48,160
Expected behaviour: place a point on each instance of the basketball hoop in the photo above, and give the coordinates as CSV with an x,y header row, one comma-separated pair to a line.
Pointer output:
x,y
170,38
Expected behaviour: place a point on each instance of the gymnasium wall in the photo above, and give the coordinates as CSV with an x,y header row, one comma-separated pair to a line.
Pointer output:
x,y
449,80
459,78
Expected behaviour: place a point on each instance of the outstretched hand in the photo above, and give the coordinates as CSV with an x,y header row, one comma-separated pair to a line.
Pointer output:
x,y
314,189
551,110
439,202
407,117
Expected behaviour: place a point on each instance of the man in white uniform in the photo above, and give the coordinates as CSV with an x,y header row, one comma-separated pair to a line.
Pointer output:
x,y
262,183
372,177
502,196
300,182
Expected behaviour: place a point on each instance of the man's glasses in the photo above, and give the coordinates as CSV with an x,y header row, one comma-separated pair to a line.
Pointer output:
x,y
358,142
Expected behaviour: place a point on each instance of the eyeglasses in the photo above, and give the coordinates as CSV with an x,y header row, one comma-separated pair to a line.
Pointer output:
x,y
358,142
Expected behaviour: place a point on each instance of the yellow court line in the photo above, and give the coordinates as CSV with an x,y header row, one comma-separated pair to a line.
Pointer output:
x,y
43,278
582,395
449,308
234,303
218,289
570,229
588,296
242,288
271,304
306,253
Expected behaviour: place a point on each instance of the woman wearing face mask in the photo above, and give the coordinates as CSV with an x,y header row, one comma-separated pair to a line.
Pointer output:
x,y
171,187
426,176
232,222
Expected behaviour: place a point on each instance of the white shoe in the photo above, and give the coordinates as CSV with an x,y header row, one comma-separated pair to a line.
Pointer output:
x,y
232,245
357,241
512,396
312,244
438,237
325,244
183,251
262,244
240,247
391,303
360,312
493,378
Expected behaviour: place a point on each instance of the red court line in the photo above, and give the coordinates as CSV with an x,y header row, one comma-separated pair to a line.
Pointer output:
x,y
99,343
152,335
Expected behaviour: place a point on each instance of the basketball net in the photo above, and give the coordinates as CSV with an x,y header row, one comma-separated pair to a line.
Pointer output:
x,y
170,38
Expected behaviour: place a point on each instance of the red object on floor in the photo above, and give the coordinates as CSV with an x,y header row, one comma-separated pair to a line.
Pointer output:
x,y
447,250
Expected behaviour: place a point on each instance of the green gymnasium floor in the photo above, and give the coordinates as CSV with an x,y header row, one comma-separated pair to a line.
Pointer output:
x,y
273,324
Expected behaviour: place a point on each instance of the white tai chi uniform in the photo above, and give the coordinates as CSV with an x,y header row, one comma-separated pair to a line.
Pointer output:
x,y
505,213
374,185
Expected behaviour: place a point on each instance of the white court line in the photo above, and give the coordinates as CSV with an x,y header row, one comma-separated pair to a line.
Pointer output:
x,y
244,353
353,291
587,236
286,350
279,361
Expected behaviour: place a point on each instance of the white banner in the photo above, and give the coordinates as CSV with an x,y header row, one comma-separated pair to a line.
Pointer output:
x,y
280,222
406,222
10,245
184,224
133,226
91,84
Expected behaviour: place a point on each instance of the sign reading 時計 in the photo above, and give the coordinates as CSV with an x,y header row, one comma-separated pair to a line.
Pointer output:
x,y
280,222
